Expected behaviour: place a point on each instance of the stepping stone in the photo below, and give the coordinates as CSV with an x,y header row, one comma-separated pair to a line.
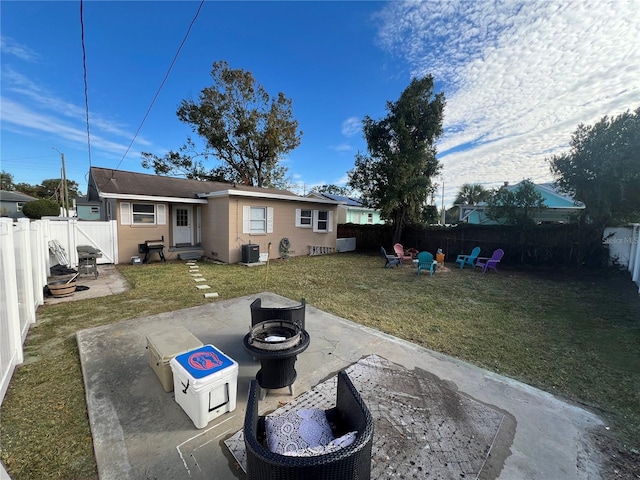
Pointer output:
x,y
202,287
197,275
211,295
200,279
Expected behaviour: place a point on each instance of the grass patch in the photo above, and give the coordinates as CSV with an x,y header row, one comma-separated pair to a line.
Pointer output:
x,y
577,336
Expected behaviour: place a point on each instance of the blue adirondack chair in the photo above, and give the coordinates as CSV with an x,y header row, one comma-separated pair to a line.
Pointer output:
x,y
425,262
468,259
484,262
390,260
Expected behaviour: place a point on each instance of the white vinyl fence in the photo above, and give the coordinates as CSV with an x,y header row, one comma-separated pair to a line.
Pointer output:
x,y
23,274
70,232
25,263
624,248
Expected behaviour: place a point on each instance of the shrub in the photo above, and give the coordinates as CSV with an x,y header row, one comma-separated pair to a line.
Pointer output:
x,y
41,208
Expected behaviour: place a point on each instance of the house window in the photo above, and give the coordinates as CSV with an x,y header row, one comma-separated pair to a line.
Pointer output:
x,y
370,218
19,206
94,210
143,213
257,220
182,217
304,218
322,221
323,216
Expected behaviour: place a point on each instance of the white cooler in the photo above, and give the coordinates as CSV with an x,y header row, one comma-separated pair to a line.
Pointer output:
x,y
205,383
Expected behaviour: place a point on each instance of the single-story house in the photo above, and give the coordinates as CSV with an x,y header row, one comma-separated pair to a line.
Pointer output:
x,y
11,203
213,219
560,207
351,210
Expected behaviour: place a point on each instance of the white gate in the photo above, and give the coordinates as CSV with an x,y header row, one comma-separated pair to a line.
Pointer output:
x,y
71,232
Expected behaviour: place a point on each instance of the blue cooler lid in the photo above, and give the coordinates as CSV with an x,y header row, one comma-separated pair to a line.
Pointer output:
x,y
204,361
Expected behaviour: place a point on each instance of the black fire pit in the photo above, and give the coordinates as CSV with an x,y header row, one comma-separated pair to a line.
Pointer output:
x,y
276,343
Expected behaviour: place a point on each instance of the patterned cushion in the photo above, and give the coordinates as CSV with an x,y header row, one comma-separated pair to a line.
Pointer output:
x,y
333,446
296,430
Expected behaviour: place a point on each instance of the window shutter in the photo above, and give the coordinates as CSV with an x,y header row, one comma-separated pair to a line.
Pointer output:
x,y
246,219
125,213
298,215
315,220
330,221
162,214
269,219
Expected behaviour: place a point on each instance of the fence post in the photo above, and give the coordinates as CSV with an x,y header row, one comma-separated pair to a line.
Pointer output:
x,y
22,252
39,252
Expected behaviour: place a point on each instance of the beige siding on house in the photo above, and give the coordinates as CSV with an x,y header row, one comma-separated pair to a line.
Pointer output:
x,y
284,226
129,236
215,218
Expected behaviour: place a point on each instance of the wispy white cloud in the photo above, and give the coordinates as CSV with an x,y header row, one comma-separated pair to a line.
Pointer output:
x,y
8,46
521,76
343,147
19,118
351,126
31,93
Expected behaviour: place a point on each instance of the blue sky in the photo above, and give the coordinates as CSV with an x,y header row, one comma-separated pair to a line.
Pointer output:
x,y
518,77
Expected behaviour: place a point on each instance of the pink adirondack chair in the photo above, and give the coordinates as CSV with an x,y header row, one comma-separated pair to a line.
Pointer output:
x,y
485,262
399,250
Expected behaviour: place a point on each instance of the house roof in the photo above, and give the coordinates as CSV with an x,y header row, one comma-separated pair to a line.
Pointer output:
x,y
13,196
122,184
351,202
553,198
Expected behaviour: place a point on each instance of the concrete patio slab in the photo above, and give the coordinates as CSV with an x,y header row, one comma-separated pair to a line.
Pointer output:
x,y
140,432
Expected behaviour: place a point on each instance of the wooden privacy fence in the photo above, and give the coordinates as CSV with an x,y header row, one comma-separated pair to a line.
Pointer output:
x,y
551,245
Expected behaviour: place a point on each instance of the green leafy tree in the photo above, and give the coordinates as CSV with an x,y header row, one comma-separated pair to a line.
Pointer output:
x,y
6,181
472,194
51,188
516,206
28,189
40,208
396,175
243,127
602,169
333,190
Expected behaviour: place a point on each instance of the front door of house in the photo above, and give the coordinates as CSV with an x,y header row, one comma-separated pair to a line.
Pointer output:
x,y
183,225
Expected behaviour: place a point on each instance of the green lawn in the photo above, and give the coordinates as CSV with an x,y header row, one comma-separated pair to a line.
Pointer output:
x,y
575,335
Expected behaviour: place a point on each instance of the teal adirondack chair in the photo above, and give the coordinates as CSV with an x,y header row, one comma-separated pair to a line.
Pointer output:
x,y
425,262
468,259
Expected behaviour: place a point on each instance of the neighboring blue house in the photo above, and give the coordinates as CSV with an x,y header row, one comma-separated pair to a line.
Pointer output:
x,y
560,207
11,203
351,210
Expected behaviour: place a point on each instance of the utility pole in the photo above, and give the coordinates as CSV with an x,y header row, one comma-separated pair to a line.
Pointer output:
x,y
65,191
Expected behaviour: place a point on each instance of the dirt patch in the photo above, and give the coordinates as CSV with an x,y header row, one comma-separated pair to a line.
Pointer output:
x,y
619,461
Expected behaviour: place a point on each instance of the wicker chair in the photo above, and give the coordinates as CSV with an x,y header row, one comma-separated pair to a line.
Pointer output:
x,y
349,463
290,314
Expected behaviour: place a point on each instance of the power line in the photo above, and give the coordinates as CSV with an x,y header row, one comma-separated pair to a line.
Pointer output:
x,y
161,85
86,89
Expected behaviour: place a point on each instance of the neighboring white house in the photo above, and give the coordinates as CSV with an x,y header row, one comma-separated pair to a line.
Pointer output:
x,y
351,210
560,207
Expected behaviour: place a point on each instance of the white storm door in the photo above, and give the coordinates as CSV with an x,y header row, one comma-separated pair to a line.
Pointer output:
x,y
182,224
